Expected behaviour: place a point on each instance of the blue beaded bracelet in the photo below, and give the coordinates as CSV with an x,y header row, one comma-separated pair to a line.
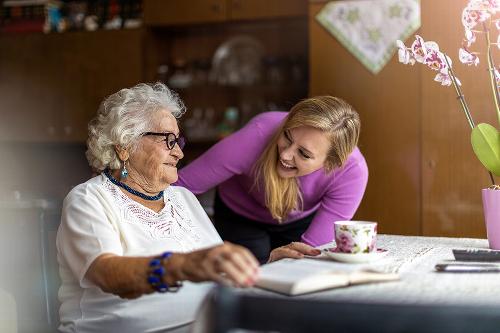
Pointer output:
x,y
157,271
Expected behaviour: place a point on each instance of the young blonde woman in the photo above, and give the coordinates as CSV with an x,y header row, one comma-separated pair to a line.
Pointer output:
x,y
284,177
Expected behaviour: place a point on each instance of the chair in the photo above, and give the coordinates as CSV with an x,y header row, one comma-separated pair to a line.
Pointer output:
x,y
49,222
28,264
234,310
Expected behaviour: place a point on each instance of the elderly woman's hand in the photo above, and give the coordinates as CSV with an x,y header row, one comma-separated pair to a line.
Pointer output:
x,y
227,264
295,250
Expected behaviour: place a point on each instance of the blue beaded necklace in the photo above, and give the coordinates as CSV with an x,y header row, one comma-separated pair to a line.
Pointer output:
x,y
131,190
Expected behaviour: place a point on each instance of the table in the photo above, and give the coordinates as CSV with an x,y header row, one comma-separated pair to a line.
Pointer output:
x,y
422,301
414,259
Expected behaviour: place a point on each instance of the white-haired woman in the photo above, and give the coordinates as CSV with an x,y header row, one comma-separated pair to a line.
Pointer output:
x,y
284,177
127,239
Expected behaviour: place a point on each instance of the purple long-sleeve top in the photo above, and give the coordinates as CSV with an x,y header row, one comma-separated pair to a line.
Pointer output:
x,y
229,165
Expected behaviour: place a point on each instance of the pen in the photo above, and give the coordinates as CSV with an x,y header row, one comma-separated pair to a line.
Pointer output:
x,y
467,268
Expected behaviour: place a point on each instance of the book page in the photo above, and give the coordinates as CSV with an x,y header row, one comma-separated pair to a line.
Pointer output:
x,y
297,276
289,270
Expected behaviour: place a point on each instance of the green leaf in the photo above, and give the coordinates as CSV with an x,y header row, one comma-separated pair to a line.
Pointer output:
x,y
485,141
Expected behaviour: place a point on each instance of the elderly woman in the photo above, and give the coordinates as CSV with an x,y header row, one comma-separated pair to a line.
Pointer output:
x,y
130,245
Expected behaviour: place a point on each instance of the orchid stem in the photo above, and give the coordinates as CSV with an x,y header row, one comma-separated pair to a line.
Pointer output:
x,y
460,96
491,70
492,179
463,102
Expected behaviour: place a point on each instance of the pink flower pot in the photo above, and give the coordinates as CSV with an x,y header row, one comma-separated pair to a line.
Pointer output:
x,y
491,207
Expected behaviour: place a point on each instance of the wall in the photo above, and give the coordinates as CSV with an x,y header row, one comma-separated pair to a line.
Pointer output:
x,y
46,171
424,177
452,177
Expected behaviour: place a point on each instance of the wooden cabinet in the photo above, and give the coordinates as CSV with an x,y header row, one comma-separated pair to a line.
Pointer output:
x,y
178,12
424,177
172,12
51,85
260,9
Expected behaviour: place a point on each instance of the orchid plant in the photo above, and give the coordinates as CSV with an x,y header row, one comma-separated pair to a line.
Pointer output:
x,y
478,19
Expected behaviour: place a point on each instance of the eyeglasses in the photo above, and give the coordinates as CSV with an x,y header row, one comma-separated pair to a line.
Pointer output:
x,y
170,139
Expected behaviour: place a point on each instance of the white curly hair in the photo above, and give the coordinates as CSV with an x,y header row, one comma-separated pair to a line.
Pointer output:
x,y
121,119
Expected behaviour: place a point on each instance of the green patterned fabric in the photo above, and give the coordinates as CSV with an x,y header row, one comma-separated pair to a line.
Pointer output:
x,y
369,28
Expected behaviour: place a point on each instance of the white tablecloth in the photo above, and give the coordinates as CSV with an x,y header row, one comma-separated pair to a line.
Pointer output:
x,y
414,259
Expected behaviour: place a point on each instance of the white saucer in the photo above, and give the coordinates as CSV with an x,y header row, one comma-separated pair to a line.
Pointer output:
x,y
355,257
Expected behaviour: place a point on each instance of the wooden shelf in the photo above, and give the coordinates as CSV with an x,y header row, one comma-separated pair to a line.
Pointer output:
x,y
258,87
51,85
182,12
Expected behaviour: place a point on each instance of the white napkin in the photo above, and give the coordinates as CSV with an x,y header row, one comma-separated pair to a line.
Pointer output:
x,y
369,28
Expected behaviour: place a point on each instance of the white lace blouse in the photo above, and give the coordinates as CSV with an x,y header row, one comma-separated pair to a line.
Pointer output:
x,y
99,218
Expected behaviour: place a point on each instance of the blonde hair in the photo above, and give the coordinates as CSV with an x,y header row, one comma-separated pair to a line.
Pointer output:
x,y
333,116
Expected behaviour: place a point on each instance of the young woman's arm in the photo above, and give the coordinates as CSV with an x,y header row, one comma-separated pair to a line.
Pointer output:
x,y
233,155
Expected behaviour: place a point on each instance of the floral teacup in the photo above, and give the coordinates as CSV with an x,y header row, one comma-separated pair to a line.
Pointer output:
x,y
355,236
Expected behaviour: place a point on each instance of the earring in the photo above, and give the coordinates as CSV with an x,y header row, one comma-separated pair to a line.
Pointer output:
x,y
124,172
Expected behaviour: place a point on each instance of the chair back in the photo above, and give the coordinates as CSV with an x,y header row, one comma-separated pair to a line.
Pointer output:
x,y
29,274
49,223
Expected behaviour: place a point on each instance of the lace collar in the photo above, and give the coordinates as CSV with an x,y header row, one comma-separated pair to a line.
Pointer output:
x,y
173,221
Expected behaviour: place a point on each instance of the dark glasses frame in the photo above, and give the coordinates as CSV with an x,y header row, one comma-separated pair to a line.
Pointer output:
x,y
170,139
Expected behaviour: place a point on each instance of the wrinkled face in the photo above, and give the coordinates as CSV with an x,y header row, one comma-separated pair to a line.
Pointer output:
x,y
152,165
301,150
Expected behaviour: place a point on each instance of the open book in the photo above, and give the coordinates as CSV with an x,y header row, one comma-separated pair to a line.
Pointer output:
x,y
300,276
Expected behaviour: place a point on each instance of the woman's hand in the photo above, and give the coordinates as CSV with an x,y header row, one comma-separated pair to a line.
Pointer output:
x,y
227,264
294,250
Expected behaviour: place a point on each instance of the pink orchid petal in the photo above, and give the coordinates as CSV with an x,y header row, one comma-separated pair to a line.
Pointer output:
x,y
418,49
468,21
472,16
444,79
492,6
404,55
400,44
497,75
470,37
431,45
467,58
435,60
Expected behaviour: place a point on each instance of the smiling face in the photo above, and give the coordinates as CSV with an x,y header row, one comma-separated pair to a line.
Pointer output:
x,y
301,151
152,166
